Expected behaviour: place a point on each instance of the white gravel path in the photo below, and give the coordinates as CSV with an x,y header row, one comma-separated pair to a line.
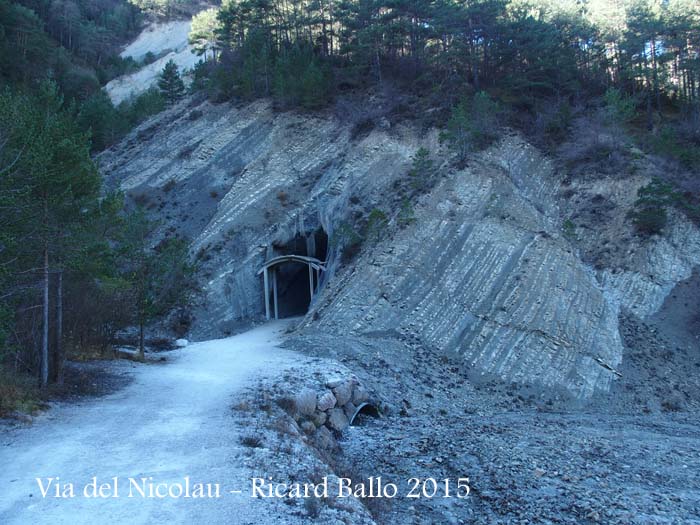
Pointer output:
x,y
173,420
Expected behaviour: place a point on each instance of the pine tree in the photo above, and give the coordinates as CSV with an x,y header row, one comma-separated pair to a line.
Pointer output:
x,y
422,170
473,125
51,182
458,131
202,37
160,278
171,86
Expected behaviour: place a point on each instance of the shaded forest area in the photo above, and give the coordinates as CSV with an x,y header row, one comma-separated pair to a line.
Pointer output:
x,y
76,265
591,82
530,55
75,43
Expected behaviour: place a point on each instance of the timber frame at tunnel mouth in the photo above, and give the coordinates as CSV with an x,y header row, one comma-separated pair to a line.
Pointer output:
x,y
314,265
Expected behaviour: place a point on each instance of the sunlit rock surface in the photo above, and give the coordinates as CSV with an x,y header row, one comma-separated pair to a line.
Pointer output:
x,y
485,272
167,41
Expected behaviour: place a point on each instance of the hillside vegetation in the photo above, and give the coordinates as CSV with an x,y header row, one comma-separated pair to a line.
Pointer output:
x,y
587,81
75,264
538,57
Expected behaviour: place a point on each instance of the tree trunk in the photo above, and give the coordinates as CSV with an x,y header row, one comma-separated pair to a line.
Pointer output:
x,y
142,350
657,91
323,28
60,357
330,24
649,89
45,331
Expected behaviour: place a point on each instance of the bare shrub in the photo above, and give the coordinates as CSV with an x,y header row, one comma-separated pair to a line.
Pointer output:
x,y
312,507
689,126
251,441
287,404
243,406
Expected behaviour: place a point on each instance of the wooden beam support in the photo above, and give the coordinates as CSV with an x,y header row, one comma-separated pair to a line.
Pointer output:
x,y
311,284
266,288
274,291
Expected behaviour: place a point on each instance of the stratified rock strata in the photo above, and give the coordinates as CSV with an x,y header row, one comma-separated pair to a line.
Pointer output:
x,y
484,272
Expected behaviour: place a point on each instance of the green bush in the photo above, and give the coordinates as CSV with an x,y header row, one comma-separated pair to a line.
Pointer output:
x,y
569,229
377,223
553,123
78,82
473,125
109,124
116,66
202,74
349,241
620,109
106,124
143,106
669,143
650,220
222,84
406,215
649,215
423,170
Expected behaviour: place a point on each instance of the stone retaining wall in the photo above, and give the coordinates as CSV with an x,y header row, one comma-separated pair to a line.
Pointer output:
x,y
319,412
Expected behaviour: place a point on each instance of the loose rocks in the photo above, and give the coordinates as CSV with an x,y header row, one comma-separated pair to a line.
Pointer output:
x,y
337,420
326,401
330,409
306,402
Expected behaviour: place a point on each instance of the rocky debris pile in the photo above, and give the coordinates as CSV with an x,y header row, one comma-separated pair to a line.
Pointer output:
x,y
330,410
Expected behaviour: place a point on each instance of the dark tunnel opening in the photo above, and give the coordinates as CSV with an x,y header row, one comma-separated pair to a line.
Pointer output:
x,y
294,280
321,245
363,413
294,295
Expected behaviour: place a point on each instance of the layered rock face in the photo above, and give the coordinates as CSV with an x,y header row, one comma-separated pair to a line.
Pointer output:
x,y
484,272
238,181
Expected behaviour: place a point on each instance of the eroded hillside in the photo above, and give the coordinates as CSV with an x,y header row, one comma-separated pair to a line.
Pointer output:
x,y
483,269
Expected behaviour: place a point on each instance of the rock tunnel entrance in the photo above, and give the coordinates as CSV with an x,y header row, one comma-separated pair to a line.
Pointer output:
x,y
363,413
292,277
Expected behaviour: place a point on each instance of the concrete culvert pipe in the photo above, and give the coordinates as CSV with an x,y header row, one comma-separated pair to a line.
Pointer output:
x,y
362,412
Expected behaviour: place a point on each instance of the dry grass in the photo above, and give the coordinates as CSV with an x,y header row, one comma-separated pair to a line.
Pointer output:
x,y
243,406
283,197
19,394
287,404
251,441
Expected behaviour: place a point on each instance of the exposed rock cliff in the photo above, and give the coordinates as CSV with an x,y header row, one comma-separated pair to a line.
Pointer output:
x,y
485,271
166,41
